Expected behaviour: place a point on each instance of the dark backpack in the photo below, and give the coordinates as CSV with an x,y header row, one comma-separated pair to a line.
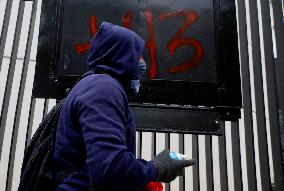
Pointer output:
x,y
36,174
38,156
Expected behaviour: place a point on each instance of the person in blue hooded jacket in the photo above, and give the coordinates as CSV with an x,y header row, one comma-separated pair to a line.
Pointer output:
x,y
95,138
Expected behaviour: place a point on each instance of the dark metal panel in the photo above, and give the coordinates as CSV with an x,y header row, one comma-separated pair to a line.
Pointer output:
x,y
259,97
224,93
209,163
272,94
165,19
228,53
246,93
279,67
237,167
20,98
176,119
4,32
223,161
11,70
195,155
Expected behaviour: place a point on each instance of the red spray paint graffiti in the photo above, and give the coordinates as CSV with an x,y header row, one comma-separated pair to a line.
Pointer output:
x,y
127,20
176,42
81,48
151,44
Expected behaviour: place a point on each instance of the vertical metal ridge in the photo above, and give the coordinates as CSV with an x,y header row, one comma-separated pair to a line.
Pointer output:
x,y
195,155
4,32
10,76
139,142
167,146
168,140
209,163
246,94
259,97
45,108
237,167
181,150
279,68
154,145
223,160
271,94
20,100
30,121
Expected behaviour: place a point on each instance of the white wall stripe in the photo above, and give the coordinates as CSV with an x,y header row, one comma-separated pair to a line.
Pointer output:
x,y
243,151
38,114
23,124
188,171
229,156
2,13
216,164
147,143
174,146
9,124
36,32
3,79
11,28
25,29
202,163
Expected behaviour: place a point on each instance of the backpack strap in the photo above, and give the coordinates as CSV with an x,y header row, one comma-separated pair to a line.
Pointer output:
x,y
89,72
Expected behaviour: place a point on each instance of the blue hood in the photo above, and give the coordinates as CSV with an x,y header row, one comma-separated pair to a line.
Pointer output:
x,y
116,50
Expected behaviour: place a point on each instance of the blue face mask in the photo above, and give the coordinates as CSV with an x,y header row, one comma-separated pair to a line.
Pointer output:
x,y
135,84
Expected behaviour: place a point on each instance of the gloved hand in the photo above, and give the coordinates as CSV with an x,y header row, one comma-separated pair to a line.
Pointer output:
x,y
169,168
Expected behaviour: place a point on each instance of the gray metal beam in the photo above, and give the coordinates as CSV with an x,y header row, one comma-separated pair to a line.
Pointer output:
x,y
167,146
20,99
4,32
272,94
237,167
259,96
195,155
279,67
209,163
11,71
246,93
30,122
223,160
181,150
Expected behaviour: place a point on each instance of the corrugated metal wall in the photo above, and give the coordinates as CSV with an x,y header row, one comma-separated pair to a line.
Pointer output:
x,y
247,157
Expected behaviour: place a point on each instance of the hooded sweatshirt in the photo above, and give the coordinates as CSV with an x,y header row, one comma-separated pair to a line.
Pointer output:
x,y
95,135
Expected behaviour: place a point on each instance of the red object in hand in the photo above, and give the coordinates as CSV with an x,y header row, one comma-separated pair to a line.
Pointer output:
x,y
154,186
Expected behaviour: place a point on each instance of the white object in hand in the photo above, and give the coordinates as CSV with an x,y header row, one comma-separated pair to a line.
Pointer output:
x,y
178,156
